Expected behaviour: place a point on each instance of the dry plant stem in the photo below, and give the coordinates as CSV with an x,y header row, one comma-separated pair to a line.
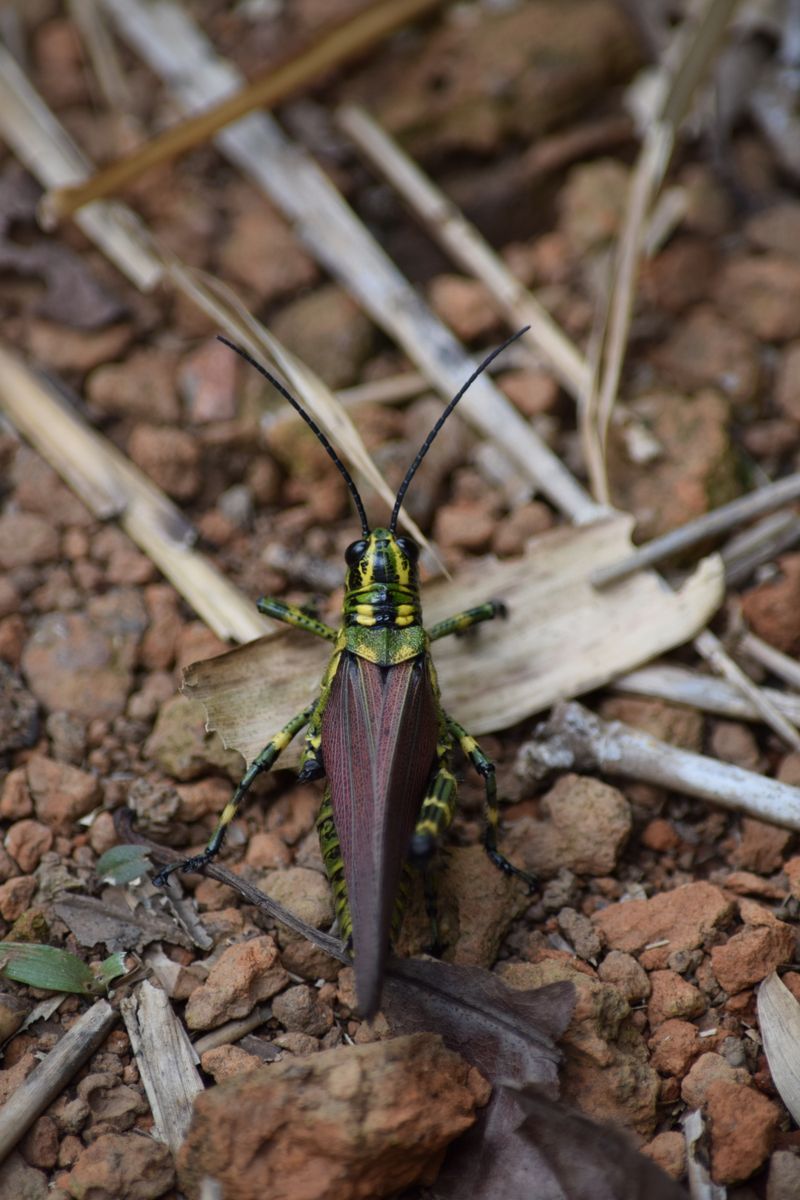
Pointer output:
x,y
42,145
721,520
176,50
761,543
102,51
166,1061
701,1185
574,739
779,1025
112,486
53,1073
232,1031
466,246
706,692
341,44
779,664
712,650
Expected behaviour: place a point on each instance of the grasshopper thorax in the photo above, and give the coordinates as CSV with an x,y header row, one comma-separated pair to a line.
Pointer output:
x,y
382,584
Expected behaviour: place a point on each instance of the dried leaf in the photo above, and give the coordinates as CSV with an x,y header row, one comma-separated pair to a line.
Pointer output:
x,y
779,1021
562,638
93,921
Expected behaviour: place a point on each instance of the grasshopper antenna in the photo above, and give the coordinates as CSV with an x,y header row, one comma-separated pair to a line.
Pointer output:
x,y
313,426
426,445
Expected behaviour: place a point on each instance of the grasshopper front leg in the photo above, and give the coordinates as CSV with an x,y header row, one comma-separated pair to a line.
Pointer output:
x,y
290,614
463,621
262,762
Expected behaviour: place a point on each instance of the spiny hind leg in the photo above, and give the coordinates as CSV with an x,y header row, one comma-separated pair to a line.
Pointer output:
x,y
334,867
290,614
463,621
261,763
485,768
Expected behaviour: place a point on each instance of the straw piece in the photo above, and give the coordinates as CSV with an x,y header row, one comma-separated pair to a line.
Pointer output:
x,y
110,485
337,46
711,648
763,500
177,51
29,128
706,692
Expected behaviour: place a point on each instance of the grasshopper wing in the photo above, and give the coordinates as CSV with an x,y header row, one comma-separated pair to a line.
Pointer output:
x,y
379,734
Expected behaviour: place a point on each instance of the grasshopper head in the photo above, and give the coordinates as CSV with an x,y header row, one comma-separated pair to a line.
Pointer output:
x,y
382,557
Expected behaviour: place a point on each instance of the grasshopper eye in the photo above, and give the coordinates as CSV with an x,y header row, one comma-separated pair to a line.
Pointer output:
x,y
408,547
355,552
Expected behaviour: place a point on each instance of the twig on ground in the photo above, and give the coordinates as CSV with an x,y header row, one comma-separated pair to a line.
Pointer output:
x,y
711,648
166,1060
720,520
575,739
761,543
53,1073
232,1031
775,661
709,693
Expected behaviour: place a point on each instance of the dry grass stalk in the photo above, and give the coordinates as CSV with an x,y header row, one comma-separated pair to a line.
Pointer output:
x,y
761,543
112,486
680,685
166,1060
335,47
49,1079
574,739
175,49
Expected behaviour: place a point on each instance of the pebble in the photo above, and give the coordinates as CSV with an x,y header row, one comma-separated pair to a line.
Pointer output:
x,y
67,733
674,1045
9,597
143,387
750,955
783,1182
512,533
465,524
787,382
772,608
586,824
672,997
245,974
483,902
705,350
76,350
672,723
207,383
13,1011
707,1069
532,392
304,892
206,798
183,748
299,1010
64,653
580,933
776,228
16,895
682,918
761,847
267,851
26,842
276,1123
170,457
19,1181
19,719
762,294
743,1124
668,1151
40,1144
61,793
223,1062
625,973
679,275
660,835
263,253
463,304
328,332
592,204
26,539
122,1166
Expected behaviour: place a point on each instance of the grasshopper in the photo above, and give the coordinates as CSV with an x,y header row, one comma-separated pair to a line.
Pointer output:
x,y
376,731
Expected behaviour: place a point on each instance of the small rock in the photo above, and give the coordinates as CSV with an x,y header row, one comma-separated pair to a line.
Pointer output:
x,y
40,1144
674,1046
783,1182
223,1062
588,823
16,895
26,539
580,933
304,892
532,392
19,719
679,275
742,1123
168,456
762,294
776,228
484,901
277,1123
625,973
299,1010
787,382
660,835
465,525
709,1068
67,733
749,956
183,748
72,664
328,332
772,608
683,918
18,1181
122,1166
9,597
592,204
704,350
81,351
15,798
300,1044
26,842
13,1011
512,533
761,847
672,997
206,798
143,387
267,850
263,253
672,723
245,974
61,793
111,1104
207,382
734,743
668,1151
463,304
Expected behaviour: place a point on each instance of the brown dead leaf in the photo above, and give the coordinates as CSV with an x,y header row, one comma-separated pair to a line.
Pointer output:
x,y
562,638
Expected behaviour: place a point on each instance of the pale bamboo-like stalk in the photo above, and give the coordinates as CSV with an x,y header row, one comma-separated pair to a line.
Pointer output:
x,y
774,660
175,49
112,486
574,739
709,693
